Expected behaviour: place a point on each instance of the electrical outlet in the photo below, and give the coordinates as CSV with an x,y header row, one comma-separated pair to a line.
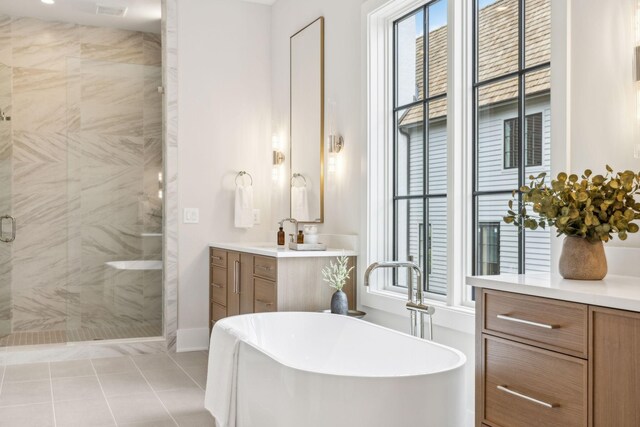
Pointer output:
x,y
191,215
256,216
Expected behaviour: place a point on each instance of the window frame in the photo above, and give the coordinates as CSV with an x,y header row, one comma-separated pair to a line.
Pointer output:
x,y
377,16
521,73
426,196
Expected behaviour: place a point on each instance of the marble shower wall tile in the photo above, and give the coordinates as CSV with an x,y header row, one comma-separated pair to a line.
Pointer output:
x,y
170,153
6,268
152,47
40,308
35,147
39,100
93,149
6,53
113,45
82,112
43,45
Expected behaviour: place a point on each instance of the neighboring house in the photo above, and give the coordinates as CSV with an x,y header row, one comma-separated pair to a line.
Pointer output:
x,y
497,146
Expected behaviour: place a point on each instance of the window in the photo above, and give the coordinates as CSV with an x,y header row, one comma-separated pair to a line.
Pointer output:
x,y
488,248
533,138
420,143
511,98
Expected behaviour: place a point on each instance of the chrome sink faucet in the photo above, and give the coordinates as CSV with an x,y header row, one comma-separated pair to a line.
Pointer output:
x,y
292,221
415,302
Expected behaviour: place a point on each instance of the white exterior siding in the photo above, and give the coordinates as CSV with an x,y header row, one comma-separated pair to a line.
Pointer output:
x,y
410,213
491,176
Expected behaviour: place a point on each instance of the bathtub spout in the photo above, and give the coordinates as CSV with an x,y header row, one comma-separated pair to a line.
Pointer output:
x,y
415,304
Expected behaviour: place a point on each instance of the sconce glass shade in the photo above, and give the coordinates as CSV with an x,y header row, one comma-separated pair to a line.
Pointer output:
x,y
336,143
278,157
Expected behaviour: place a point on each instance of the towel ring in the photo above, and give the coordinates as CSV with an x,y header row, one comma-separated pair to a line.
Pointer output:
x,y
241,174
298,175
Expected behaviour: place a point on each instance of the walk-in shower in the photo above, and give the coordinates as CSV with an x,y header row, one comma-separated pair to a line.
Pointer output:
x,y
81,183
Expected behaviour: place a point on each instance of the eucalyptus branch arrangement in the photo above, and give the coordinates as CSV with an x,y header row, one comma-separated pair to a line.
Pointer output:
x,y
591,207
336,274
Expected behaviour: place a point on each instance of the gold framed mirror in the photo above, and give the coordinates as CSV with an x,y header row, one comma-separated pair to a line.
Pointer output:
x,y
306,191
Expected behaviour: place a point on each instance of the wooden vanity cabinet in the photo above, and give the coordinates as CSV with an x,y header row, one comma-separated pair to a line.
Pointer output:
x,y
230,285
545,362
242,283
614,366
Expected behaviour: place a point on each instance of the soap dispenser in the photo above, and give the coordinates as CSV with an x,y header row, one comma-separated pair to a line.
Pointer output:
x,y
281,236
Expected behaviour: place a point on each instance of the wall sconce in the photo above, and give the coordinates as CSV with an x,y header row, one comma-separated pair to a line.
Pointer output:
x,y
278,158
334,140
336,144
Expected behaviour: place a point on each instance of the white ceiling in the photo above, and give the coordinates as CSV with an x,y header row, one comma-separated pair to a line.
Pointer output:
x,y
269,2
142,15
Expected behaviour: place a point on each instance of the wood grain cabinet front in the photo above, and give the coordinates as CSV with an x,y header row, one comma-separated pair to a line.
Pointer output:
x,y
555,325
615,367
528,386
531,372
242,282
266,299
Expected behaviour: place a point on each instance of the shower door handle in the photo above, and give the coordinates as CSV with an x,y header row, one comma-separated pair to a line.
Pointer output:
x,y
13,229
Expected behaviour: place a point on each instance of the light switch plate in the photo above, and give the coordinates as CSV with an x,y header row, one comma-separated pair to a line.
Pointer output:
x,y
191,215
256,217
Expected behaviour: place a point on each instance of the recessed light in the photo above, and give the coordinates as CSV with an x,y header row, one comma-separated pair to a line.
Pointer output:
x,y
48,1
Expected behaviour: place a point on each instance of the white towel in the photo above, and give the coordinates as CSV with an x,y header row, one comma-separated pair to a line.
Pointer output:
x,y
244,206
222,375
300,204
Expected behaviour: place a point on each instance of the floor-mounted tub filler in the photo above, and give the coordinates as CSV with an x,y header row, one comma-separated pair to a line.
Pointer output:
x,y
319,370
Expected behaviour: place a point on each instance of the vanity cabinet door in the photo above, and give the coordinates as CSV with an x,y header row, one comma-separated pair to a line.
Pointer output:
x,y
246,283
233,283
525,386
266,296
218,285
615,367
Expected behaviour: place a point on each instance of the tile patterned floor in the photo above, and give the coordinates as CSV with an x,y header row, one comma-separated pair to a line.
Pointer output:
x,y
79,335
144,391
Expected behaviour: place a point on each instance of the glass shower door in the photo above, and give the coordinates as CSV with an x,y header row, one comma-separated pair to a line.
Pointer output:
x,y
7,222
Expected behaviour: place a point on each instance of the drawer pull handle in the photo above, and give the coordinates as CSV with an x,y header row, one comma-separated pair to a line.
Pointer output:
x,y
218,258
215,285
525,322
525,397
268,304
262,267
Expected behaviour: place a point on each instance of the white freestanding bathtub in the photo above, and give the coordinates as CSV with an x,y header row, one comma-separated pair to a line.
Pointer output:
x,y
324,370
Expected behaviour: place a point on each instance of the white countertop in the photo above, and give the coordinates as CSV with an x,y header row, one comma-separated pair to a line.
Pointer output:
x,y
622,292
272,250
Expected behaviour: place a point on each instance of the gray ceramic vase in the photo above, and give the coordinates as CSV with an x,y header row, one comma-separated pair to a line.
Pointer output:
x,y
582,260
339,303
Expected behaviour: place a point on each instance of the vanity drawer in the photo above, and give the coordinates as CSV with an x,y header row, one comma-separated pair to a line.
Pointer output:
x,y
217,312
527,386
218,257
218,286
265,299
555,325
264,267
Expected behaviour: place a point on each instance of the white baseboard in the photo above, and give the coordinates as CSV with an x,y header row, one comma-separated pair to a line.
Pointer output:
x,y
192,339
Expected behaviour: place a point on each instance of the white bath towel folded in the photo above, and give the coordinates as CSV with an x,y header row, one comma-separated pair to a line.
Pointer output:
x,y
220,395
244,206
300,204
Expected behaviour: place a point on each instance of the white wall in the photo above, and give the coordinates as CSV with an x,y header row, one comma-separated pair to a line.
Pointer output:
x,y
342,85
225,126
604,128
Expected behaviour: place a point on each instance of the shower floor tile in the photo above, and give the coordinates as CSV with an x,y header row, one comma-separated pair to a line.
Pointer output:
x,y
78,335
